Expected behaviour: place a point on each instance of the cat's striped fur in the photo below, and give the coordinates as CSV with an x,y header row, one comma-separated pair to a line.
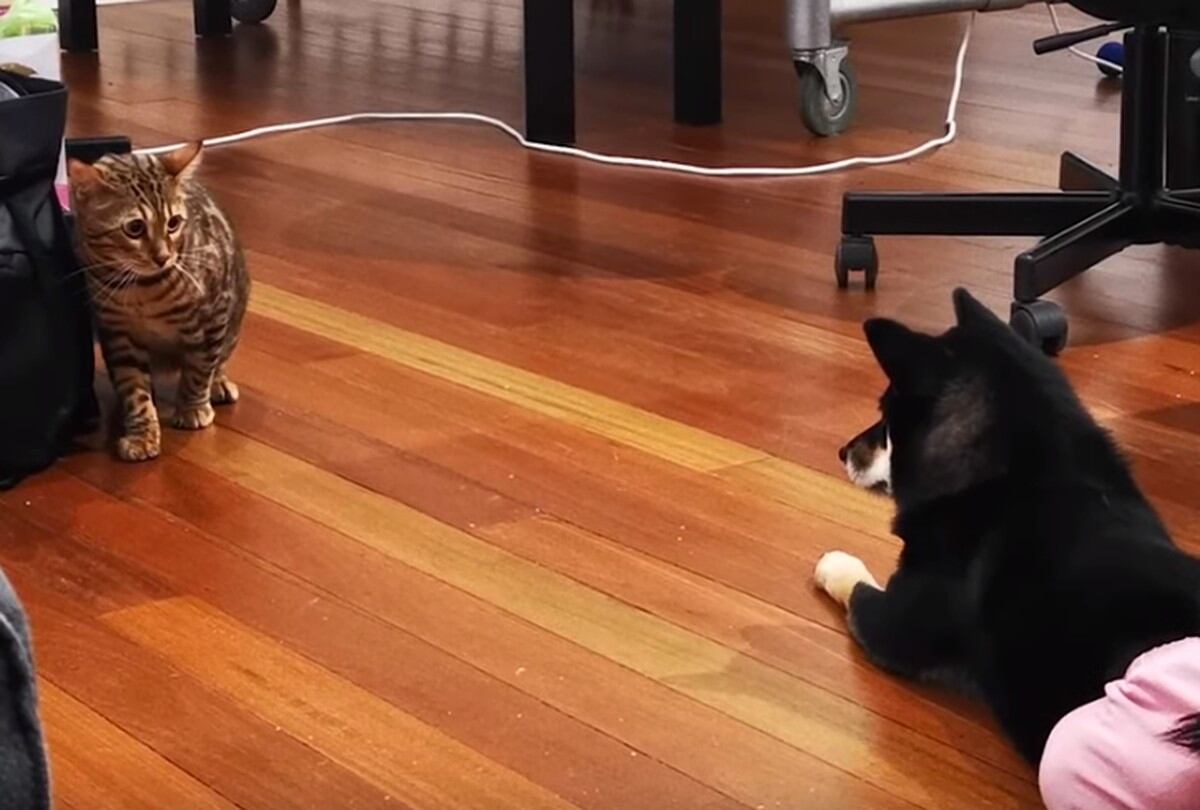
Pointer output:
x,y
168,283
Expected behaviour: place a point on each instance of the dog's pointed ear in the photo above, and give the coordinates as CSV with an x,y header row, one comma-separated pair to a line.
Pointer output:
x,y
908,358
968,312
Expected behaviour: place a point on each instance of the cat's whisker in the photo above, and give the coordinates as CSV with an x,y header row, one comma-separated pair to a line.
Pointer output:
x,y
110,293
206,258
86,269
128,276
194,251
115,264
190,277
119,269
112,282
105,283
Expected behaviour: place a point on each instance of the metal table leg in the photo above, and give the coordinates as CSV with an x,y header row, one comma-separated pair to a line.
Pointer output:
x,y
817,51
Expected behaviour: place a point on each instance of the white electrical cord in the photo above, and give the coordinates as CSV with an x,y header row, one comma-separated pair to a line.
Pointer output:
x,y
615,160
1076,51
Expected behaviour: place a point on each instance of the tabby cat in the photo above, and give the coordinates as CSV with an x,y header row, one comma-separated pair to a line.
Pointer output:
x,y
168,282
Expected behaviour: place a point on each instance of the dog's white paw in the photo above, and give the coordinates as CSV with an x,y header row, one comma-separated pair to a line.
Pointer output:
x,y
838,572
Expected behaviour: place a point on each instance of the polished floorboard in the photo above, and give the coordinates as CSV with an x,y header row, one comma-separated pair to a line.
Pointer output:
x,y
534,457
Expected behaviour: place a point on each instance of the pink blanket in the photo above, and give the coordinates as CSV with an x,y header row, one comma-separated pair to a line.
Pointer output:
x,y
1111,753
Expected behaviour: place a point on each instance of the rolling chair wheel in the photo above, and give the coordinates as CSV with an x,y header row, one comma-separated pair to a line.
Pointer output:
x,y
856,253
822,116
251,11
1040,323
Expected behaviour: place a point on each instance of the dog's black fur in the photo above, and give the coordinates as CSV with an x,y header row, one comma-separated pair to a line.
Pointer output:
x,y
1033,568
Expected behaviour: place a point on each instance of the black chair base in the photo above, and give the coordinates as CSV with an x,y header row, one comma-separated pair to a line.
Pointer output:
x,y
1094,217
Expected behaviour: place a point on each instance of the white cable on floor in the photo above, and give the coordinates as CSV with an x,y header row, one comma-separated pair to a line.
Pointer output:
x,y
1076,51
616,160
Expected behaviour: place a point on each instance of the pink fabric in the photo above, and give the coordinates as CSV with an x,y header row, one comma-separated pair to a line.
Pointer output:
x,y
1110,754
64,197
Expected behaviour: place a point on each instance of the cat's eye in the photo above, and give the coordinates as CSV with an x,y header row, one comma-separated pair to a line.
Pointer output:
x,y
174,223
135,228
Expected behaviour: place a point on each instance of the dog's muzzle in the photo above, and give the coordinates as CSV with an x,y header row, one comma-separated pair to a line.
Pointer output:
x,y
867,458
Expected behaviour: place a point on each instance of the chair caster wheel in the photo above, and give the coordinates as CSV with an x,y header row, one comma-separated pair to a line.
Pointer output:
x,y
251,11
822,116
856,253
1040,323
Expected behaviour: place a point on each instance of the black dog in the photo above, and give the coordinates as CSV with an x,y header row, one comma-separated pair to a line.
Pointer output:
x,y
1033,568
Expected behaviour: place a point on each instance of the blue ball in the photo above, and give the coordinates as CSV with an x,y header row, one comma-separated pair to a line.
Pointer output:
x,y
1112,52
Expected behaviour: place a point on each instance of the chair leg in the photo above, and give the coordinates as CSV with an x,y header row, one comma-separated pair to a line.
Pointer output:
x,y
77,26
698,61
1077,174
1017,214
1142,108
1183,123
550,71
1066,254
213,18
1178,218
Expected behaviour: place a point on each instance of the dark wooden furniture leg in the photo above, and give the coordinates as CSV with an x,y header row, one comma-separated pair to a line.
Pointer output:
x,y
698,61
550,71
214,18
77,26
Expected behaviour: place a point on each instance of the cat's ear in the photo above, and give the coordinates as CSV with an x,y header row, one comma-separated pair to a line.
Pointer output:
x,y
84,177
183,162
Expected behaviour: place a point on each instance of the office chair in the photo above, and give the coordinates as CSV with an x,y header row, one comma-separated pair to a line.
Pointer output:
x,y
1154,199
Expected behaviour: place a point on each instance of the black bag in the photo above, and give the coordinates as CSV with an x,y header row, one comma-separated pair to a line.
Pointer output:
x,y
46,359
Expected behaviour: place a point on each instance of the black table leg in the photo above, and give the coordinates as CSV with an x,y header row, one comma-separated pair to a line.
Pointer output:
x,y
77,26
214,18
550,71
698,61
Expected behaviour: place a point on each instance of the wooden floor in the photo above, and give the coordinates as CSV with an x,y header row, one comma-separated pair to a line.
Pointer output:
x,y
535,458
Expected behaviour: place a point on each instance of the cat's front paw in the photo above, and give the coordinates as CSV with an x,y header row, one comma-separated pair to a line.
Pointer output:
x,y
193,418
140,447
837,573
224,392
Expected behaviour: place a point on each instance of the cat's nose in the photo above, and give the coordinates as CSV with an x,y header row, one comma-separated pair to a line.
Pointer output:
x,y
162,258
843,452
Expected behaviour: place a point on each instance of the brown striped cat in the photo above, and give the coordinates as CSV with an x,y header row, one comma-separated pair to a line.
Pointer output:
x,y
168,283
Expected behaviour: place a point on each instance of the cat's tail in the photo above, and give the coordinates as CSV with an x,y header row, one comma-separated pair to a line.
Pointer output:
x,y
1187,733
